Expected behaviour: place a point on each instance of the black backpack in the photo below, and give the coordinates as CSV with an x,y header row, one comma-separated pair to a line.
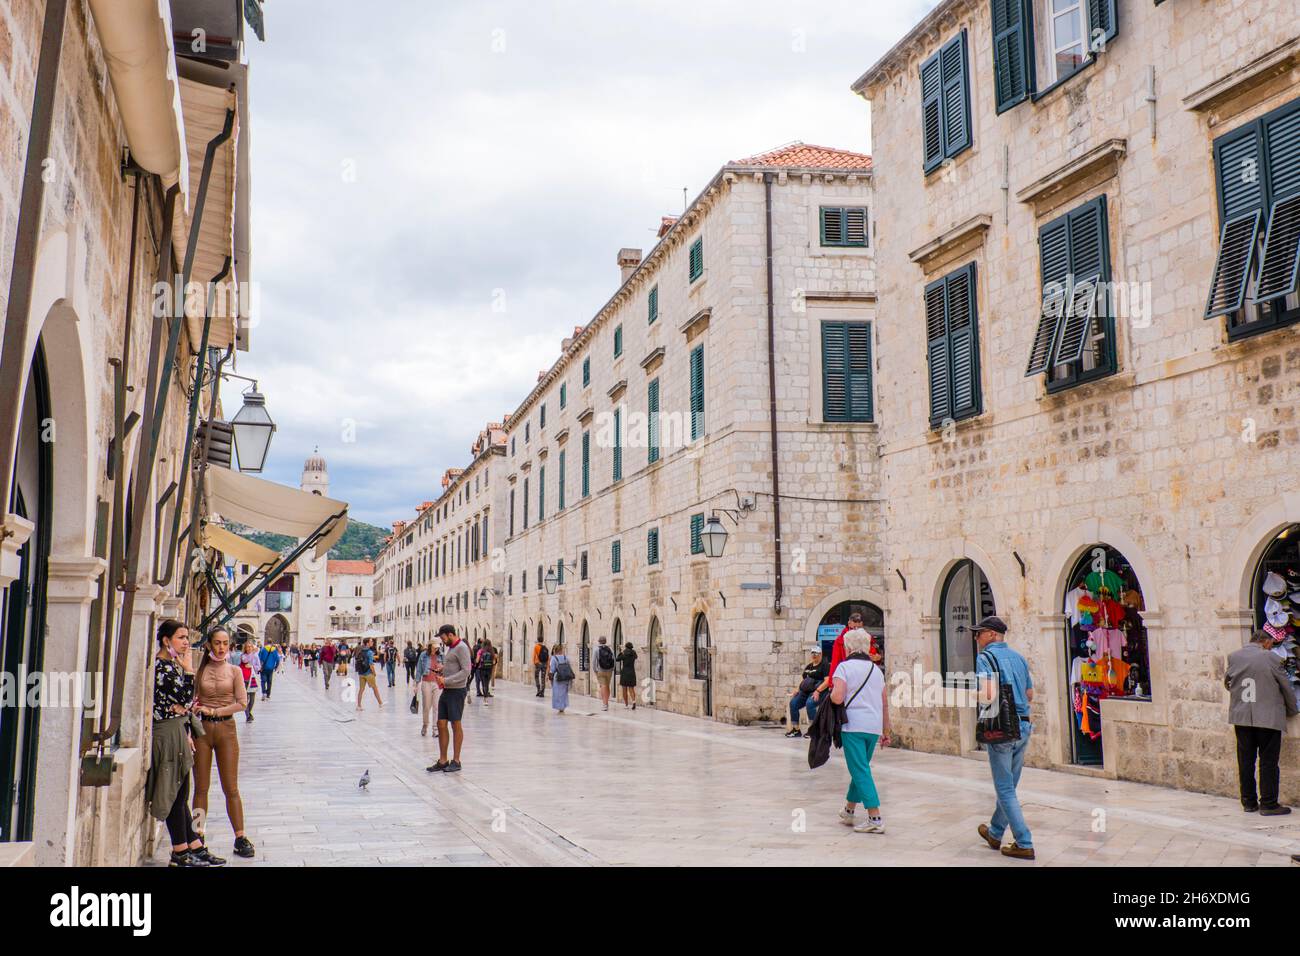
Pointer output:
x,y
605,658
543,655
360,662
486,659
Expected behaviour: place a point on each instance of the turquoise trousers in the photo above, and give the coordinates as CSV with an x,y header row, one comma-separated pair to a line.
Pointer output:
x,y
858,749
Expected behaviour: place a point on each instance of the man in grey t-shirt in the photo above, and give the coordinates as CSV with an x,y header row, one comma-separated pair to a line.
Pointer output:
x,y
602,662
451,702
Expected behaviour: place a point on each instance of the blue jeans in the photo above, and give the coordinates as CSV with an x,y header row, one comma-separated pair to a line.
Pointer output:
x,y
1006,761
802,701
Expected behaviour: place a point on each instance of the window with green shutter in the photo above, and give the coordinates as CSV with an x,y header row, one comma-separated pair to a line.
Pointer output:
x,y
525,497
652,546
541,493
697,258
697,392
559,503
616,557
582,566
652,306
586,371
945,103
1257,269
618,444
618,341
697,531
952,346
846,371
541,416
844,225
586,464
1075,337
652,423
1012,58
564,394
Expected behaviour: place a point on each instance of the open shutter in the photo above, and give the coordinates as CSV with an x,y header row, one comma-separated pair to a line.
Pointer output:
x,y
1088,265
1103,24
936,334
931,113
652,306
855,226
697,392
835,386
963,349
1280,260
697,529
618,444
1081,308
1239,167
1054,255
859,371
559,501
956,95
652,413
1010,53
586,464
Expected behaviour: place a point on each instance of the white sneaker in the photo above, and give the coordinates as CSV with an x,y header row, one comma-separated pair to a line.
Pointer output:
x,y
870,826
847,818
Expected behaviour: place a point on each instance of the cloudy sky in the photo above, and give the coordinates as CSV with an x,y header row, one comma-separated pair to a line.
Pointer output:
x,y
417,161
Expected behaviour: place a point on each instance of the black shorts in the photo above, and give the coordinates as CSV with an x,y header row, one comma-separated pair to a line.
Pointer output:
x,y
451,703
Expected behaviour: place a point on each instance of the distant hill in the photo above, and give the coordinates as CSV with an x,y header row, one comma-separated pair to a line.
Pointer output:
x,y
360,541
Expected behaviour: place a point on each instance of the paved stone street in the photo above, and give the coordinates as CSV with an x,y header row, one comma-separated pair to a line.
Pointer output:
x,y
650,788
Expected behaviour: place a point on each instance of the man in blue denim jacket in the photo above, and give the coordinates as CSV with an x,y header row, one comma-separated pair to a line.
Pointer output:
x,y
1006,760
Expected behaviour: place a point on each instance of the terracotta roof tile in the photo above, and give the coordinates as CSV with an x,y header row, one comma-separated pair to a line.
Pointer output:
x,y
350,567
806,156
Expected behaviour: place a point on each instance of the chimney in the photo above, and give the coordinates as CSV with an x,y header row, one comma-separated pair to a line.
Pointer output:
x,y
628,260
666,223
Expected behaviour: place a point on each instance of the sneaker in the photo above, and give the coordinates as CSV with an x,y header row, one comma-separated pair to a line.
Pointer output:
x,y
436,768
1250,807
424,731
847,817
203,854
187,859
244,847
452,767
808,732
871,825
794,732
605,707
1274,811
1018,852
995,843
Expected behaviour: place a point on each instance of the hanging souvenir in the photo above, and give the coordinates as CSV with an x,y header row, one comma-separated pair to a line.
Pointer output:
x,y
1276,614
1108,580
1274,585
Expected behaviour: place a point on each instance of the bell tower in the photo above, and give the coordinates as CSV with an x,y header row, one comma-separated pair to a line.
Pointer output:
x,y
315,476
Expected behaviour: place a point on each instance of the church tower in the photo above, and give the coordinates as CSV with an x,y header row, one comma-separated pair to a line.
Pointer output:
x,y
315,476
313,573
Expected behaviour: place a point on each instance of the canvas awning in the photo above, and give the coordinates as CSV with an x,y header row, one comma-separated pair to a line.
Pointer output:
x,y
266,506
241,549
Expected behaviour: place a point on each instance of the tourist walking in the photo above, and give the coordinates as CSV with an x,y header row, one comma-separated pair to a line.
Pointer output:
x,y
219,694
411,658
859,685
363,661
627,675
487,660
390,663
1260,700
167,786
562,675
805,695
996,664
603,664
451,703
270,659
428,676
541,658
328,660
249,665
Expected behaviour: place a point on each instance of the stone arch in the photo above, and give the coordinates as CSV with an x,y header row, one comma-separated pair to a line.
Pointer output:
x,y
968,550
871,595
1074,542
1249,547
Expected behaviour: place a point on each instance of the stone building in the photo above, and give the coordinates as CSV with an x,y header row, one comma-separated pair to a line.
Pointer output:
x,y
108,124
1056,398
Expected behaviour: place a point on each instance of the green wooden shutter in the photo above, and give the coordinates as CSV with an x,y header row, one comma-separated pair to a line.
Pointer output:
x,y
1054,260
652,305
560,496
956,95
582,566
1088,267
1239,170
931,113
855,226
541,493
525,496
586,464
564,394
963,341
697,529
542,416
1010,52
937,351
835,385
832,226
618,341
697,258
697,392
618,444
652,426
1279,265
616,557
652,546
586,372
858,336
1103,24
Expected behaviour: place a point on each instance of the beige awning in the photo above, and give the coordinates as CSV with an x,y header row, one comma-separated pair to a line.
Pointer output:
x,y
241,549
266,506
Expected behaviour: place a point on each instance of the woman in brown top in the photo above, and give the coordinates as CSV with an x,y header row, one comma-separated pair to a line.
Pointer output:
x,y
219,694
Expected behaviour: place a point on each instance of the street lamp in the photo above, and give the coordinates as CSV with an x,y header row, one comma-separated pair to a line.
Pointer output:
x,y
551,581
714,537
482,600
253,429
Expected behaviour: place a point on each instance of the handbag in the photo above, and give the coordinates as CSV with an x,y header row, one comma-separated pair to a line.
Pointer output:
x,y
415,703
808,685
563,672
343,667
1004,726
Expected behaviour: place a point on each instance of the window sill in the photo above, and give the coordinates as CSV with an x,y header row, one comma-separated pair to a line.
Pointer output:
x,y
1059,82
944,163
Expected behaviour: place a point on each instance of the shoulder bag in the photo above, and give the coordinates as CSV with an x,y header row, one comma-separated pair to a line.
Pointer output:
x,y
1004,725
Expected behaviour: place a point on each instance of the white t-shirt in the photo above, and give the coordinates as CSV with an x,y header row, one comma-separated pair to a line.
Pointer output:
x,y
865,716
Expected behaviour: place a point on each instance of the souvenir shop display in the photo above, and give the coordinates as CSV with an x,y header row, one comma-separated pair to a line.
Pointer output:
x,y
1277,600
1107,644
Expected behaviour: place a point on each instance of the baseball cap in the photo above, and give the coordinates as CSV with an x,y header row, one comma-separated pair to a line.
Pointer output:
x,y
990,623
446,629
815,648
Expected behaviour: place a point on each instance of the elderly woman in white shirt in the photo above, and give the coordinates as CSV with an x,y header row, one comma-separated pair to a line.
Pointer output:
x,y
859,683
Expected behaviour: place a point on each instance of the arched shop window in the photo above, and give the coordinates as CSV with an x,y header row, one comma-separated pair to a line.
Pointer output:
x,y
700,647
833,621
584,649
1276,598
657,650
1106,644
541,633
510,642
559,634
966,598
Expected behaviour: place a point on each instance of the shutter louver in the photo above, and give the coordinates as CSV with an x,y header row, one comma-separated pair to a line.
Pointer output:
x,y
1280,260
956,112
618,444
832,227
960,287
835,400
931,113
1078,321
697,392
1237,241
586,464
1103,24
855,226
652,413
1239,166
1010,53
859,372
936,334
1040,353
697,530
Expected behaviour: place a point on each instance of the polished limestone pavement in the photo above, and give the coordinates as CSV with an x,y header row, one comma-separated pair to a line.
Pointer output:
x,y
648,788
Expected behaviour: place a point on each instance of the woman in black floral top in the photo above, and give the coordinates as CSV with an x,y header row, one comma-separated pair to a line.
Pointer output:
x,y
168,787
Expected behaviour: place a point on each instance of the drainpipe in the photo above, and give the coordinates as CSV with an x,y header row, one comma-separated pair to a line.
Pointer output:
x,y
13,368
771,401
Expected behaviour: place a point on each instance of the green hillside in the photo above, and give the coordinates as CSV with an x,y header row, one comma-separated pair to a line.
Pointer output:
x,y
360,541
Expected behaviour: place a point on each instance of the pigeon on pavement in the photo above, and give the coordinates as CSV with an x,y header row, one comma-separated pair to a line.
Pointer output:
x,y
364,781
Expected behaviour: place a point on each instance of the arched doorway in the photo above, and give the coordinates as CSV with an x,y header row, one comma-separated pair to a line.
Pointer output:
x,y
277,630
23,606
657,651
584,654
1106,644
833,621
966,597
559,635
1275,598
616,644
701,658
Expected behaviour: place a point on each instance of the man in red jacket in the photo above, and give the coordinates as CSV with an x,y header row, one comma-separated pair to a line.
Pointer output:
x,y
327,657
837,651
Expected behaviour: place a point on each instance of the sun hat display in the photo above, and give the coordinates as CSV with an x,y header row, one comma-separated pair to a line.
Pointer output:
x,y
1276,614
1274,584
1277,633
